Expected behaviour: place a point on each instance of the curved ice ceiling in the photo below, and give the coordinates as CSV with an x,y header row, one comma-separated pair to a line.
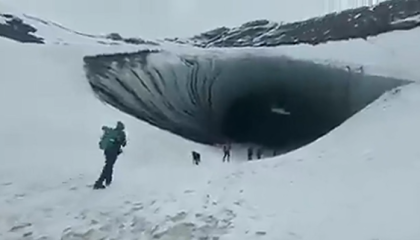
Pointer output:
x,y
192,95
211,95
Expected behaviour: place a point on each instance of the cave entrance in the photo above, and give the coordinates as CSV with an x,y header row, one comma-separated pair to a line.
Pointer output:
x,y
274,121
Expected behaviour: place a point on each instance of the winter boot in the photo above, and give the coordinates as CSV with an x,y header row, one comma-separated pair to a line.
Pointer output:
x,y
108,182
98,185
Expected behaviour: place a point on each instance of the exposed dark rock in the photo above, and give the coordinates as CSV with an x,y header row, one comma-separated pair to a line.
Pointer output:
x,y
354,23
139,41
136,41
16,29
115,36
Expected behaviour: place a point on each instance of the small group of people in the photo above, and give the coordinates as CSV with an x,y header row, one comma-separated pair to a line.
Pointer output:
x,y
196,156
250,153
227,148
113,140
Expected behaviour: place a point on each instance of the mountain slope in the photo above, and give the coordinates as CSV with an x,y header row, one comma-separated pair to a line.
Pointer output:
x,y
355,23
145,18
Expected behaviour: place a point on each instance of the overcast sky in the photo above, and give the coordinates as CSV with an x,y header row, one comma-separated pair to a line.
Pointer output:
x,y
167,18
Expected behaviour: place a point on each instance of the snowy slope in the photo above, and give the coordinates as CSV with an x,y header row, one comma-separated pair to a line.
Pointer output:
x,y
359,182
30,29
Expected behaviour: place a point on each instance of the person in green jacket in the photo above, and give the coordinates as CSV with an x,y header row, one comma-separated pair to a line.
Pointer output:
x,y
112,142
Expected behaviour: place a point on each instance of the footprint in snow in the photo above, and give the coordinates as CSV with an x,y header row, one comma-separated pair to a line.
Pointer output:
x,y
137,207
294,235
20,195
20,227
178,217
239,202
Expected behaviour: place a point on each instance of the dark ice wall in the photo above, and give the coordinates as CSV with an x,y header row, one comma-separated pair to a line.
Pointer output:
x,y
210,98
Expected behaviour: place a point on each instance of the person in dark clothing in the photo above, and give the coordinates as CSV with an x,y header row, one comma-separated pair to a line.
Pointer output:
x,y
250,153
196,157
259,153
112,141
226,152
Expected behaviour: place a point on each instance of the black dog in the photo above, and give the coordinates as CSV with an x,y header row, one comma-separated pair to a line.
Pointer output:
x,y
196,157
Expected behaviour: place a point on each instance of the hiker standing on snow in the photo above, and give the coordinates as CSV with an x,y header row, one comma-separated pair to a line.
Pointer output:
x,y
196,157
250,153
259,153
112,141
226,152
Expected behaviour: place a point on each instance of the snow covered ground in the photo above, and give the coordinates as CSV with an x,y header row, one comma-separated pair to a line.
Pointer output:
x,y
360,182
49,133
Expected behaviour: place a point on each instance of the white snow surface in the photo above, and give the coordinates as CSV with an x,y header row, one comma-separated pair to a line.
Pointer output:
x,y
359,182
2,20
409,19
